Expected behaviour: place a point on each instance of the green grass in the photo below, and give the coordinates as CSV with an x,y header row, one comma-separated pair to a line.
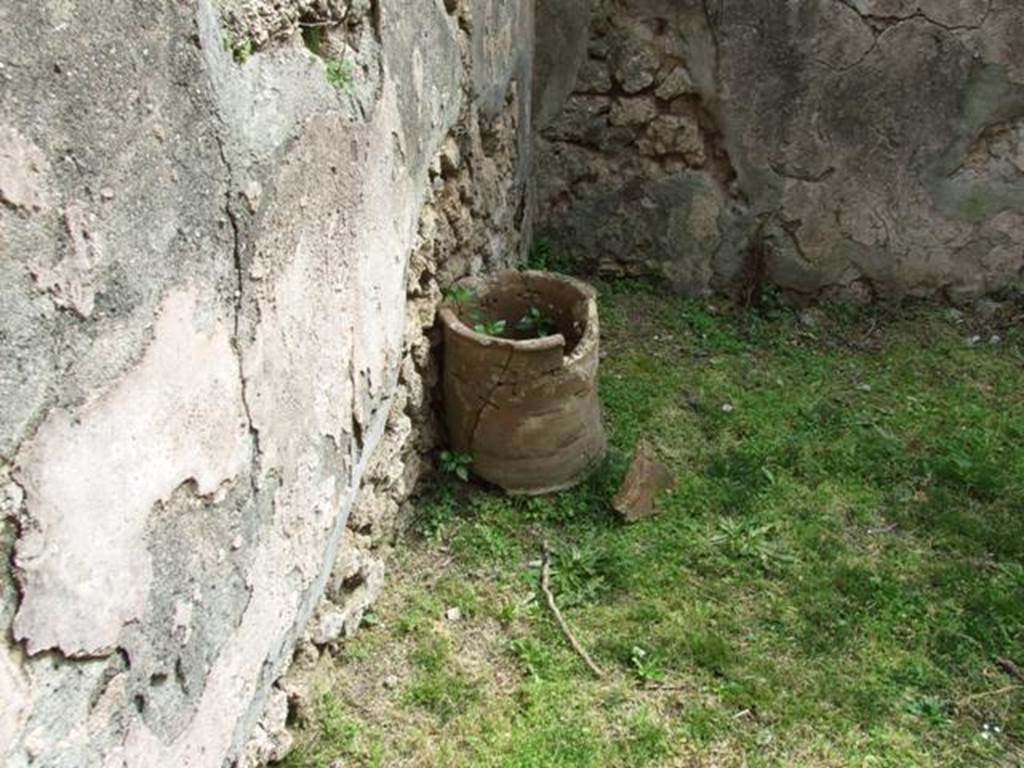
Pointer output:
x,y
831,582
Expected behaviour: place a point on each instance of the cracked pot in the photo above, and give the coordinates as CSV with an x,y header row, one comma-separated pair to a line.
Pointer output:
x,y
526,409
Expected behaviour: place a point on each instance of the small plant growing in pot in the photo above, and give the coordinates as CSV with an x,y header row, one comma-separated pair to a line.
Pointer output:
x,y
489,327
465,299
520,379
535,324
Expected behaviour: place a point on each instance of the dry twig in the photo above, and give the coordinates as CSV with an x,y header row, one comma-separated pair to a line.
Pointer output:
x,y
986,694
545,587
663,687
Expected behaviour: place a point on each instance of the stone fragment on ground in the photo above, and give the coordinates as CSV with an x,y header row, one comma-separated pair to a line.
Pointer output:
x,y
646,480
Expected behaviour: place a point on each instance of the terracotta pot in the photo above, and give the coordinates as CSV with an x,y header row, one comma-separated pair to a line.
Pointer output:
x,y
525,409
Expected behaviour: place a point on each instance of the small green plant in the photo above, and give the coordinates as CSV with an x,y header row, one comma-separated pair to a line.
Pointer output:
x,y
459,294
341,74
746,540
489,327
931,709
539,254
241,48
585,574
645,666
457,464
435,514
509,611
536,323
534,657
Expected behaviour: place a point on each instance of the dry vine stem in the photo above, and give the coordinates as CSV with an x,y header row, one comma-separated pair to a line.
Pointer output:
x,y
985,694
545,587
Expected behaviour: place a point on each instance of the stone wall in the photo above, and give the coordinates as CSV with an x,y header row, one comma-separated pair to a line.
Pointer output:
x,y
874,146
224,230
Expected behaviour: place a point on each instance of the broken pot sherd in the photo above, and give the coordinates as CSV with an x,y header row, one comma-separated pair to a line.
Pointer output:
x,y
524,403
644,484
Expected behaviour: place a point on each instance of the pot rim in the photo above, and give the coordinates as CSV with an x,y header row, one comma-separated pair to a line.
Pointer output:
x,y
450,318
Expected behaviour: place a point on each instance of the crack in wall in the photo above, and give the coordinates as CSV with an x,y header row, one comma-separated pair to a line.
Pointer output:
x,y
14,515
236,344
711,18
880,23
807,178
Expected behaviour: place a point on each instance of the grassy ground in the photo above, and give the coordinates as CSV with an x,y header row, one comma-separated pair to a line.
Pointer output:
x,y
833,582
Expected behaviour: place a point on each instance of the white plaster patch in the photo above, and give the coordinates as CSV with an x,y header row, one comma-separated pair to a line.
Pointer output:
x,y
302,346
91,478
24,173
